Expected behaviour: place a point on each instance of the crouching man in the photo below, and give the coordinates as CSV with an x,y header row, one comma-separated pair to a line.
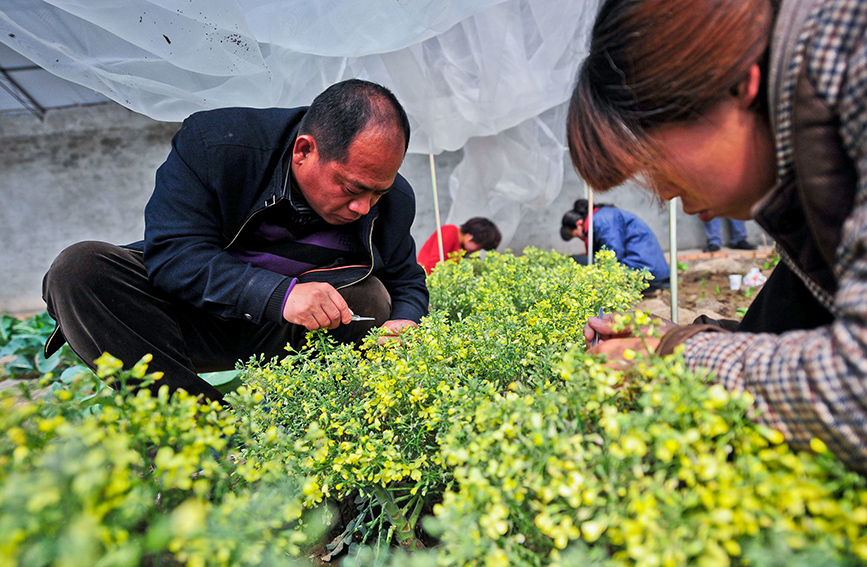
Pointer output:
x,y
264,223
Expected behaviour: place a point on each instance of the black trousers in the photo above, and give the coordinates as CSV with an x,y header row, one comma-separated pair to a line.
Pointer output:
x,y
101,298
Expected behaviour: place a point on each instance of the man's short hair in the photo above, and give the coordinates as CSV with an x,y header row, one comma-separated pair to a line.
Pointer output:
x,y
484,232
346,108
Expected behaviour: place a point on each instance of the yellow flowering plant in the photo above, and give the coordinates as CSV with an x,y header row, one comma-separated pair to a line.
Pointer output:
x,y
491,425
367,424
90,476
486,436
661,467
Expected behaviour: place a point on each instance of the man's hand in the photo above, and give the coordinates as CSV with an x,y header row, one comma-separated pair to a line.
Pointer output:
x,y
316,305
394,328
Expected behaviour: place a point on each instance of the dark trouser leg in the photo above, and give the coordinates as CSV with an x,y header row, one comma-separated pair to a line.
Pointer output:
x,y
100,296
103,302
784,304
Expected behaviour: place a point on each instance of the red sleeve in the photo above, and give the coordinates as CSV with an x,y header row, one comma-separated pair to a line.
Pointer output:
x,y
429,255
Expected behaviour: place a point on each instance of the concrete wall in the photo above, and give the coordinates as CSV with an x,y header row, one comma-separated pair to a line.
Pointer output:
x,y
80,174
86,174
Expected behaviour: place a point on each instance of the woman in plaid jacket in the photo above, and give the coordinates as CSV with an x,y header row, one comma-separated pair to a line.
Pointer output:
x,y
750,110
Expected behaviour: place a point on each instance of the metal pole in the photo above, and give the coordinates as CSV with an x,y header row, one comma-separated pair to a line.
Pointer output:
x,y
433,180
672,247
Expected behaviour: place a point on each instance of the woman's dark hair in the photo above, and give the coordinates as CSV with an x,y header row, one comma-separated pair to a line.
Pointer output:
x,y
579,212
656,62
344,109
569,223
484,232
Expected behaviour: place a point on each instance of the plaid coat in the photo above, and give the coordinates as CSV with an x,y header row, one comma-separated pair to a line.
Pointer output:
x,y
813,384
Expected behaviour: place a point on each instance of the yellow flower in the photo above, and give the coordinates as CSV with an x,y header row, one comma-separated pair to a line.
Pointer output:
x,y
592,530
189,517
818,446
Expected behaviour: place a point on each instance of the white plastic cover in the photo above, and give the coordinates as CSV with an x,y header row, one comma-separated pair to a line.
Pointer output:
x,y
489,76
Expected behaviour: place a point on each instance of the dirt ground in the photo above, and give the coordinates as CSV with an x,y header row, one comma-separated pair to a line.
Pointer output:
x,y
703,287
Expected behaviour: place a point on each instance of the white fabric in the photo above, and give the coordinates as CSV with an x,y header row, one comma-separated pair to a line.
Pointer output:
x,y
489,76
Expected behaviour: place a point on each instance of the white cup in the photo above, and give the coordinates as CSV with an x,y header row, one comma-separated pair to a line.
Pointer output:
x,y
735,281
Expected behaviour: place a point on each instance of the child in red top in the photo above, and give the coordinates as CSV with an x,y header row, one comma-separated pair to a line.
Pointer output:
x,y
476,234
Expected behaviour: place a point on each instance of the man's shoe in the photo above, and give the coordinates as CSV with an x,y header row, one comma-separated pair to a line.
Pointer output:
x,y
710,248
743,245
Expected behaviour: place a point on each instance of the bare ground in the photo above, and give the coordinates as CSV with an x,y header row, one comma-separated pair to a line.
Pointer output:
x,y
703,287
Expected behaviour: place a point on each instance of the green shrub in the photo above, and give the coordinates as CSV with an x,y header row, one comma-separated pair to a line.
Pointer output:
x,y
92,477
488,425
368,423
528,452
22,343
656,468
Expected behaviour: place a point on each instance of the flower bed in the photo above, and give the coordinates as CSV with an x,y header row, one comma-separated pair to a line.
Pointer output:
x,y
484,437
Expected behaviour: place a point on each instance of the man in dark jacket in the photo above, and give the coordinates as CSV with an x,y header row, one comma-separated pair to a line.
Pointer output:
x,y
264,223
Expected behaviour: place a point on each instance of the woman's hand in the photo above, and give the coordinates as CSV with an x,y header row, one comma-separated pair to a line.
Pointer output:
x,y
615,349
602,327
615,339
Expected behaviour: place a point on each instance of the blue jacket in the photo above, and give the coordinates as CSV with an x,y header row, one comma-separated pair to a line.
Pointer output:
x,y
630,239
225,167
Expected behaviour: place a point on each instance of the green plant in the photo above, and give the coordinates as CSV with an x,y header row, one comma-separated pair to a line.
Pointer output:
x,y
368,423
652,468
772,261
531,452
23,341
486,436
112,479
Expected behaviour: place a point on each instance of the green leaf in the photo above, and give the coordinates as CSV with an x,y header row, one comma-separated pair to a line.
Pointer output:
x,y
72,372
46,365
225,381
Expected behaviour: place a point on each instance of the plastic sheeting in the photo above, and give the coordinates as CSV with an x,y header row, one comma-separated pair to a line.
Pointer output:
x,y
488,76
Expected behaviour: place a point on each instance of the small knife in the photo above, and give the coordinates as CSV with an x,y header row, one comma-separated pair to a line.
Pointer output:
x,y
595,340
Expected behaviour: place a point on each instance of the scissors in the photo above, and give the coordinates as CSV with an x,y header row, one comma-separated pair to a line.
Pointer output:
x,y
595,340
360,318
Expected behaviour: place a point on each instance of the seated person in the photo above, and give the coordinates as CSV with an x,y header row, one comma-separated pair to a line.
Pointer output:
x,y
476,234
260,228
623,233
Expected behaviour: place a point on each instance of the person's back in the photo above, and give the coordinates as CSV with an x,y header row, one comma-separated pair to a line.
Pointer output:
x,y
623,233
637,245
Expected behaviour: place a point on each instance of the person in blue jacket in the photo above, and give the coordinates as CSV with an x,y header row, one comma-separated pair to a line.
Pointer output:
x,y
263,224
623,233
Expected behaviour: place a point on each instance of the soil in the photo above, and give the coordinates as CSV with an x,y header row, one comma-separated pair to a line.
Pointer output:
x,y
703,286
